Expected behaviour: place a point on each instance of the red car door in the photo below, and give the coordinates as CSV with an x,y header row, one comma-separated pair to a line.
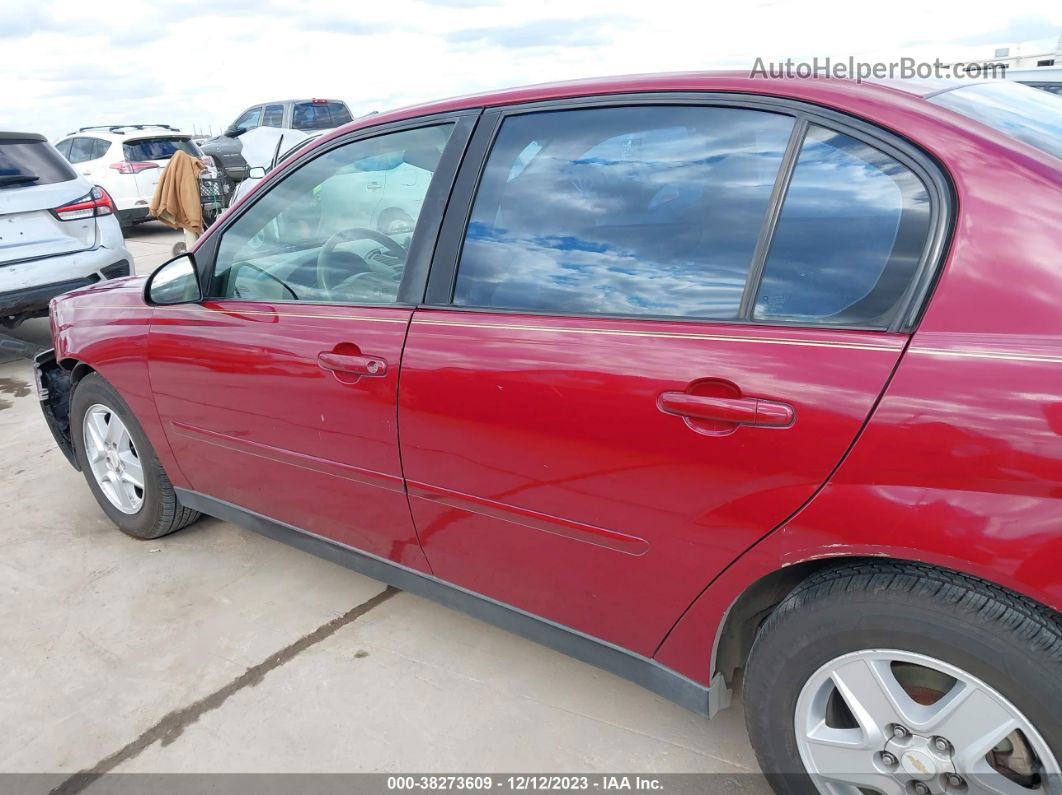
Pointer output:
x,y
638,360
278,392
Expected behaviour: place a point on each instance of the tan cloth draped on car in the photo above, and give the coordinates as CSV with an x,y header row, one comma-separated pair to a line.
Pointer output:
x,y
176,201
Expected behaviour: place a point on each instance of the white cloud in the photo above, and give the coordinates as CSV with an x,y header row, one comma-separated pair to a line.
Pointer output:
x,y
66,63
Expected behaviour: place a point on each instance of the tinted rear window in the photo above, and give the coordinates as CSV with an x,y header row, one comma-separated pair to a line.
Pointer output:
x,y
21,161
159,148
1027,114
319,116
340,114
849,239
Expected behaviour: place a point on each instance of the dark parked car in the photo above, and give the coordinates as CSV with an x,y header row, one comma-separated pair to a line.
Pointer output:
x,y
295,114
703,379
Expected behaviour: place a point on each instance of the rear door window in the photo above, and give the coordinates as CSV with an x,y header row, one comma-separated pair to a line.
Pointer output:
x,y
99,148
81,150
162,148
645,210
849,239
25,162
273,116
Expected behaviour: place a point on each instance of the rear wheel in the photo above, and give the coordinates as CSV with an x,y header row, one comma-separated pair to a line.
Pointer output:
x,y
120,465
907,680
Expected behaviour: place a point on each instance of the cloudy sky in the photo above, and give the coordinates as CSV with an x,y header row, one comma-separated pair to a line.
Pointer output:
x,y
70,63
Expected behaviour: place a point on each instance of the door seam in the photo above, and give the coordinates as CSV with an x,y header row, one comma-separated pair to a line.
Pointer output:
x,y
398,441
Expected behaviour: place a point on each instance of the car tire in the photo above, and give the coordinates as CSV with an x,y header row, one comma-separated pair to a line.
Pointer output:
x,y
150,511
948,641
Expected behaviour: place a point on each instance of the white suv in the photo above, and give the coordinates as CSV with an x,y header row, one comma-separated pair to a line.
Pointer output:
x,y
58,232
126,160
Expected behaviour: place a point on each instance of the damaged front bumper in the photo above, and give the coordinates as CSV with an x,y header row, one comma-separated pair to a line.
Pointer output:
x,y
53,389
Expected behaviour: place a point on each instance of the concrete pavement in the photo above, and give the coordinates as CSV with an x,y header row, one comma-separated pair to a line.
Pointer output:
x,y
218,650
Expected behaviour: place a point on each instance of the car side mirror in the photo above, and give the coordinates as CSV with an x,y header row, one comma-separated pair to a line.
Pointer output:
x,y
174,282
233,131
256,172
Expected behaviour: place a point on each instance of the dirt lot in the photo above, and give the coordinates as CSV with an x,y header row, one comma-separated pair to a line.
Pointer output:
x,y
219,650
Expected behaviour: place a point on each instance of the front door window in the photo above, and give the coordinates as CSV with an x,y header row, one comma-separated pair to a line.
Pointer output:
x,y
338,229
250,119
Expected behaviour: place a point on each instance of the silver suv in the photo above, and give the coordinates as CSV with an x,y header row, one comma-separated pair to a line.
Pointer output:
x,y
58,232
307,115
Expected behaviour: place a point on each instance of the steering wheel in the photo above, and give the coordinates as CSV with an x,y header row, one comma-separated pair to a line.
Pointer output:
x,y
324,270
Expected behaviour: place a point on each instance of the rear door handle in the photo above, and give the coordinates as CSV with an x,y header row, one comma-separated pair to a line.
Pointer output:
x,y
740,411
370,366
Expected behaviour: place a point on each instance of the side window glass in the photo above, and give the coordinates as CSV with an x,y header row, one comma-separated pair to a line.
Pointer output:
x,y
99,148
849,239
337,229
648,210
251,119
273,116
64,147
80,150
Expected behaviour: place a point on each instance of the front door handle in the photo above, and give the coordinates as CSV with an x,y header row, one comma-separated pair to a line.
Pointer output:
x,y
349,364
740,411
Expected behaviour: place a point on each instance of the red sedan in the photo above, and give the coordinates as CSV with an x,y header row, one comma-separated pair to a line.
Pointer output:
x,y
700,378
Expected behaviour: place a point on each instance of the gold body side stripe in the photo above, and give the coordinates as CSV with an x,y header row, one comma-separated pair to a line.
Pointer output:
x,y
661,335
999,355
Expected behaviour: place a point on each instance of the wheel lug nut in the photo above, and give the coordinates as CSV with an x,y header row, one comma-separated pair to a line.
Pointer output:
x,y
955,780
888,759
921,788
942,745
899,731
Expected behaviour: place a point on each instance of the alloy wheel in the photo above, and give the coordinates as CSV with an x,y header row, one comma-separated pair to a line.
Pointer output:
x,y
113,459
899,723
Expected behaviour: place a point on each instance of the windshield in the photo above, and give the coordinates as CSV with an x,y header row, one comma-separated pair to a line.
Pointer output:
x,y
1027,114
29,162
159,148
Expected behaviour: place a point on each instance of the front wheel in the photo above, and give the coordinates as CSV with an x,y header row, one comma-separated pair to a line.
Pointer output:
x,y
119,464
903,679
